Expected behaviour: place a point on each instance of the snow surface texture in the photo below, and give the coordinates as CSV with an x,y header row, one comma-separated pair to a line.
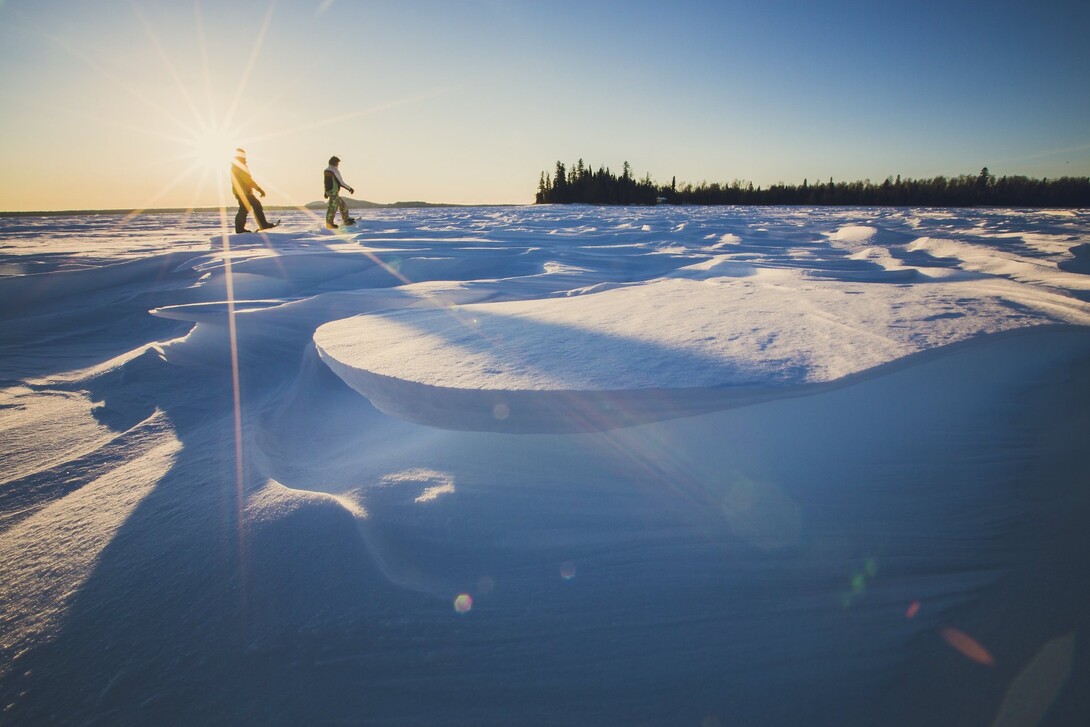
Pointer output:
x,y
551,465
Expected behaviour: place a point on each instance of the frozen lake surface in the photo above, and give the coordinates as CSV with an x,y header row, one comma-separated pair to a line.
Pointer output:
x,y
547,465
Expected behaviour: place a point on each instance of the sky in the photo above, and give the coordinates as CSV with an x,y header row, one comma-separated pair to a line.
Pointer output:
x,y
131,104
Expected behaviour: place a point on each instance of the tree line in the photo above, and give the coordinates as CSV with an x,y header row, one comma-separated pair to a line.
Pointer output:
x,y
579,183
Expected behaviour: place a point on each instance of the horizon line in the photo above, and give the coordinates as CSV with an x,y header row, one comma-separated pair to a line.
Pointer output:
x,y
215,208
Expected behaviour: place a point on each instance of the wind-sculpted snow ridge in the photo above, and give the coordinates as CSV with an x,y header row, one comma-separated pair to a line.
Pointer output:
x,y
709,313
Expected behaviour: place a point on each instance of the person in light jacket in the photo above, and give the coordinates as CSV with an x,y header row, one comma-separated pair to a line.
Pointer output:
x,y
334,182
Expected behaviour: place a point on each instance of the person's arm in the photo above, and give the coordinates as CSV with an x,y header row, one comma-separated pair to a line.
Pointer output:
x,y
247,180
340,180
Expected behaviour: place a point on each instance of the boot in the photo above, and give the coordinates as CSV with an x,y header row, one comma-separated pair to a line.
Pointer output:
x,y
330,226
350,221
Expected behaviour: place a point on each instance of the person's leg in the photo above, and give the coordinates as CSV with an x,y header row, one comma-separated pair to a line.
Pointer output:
x,y
331,208
345,217
259,211
240,216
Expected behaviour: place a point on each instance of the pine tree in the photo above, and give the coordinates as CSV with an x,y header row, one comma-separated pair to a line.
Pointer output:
x,y
542,189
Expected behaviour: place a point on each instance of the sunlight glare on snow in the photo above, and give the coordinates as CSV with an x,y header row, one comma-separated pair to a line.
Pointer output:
x,y
431,494
351,502
435,484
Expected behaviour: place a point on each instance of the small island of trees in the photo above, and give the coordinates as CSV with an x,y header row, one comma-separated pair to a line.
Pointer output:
x,y
579,183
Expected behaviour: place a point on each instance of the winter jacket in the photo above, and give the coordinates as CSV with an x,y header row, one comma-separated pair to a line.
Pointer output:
x,y
333,180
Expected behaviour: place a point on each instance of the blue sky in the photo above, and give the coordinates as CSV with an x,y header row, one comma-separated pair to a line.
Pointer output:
x,y
110,103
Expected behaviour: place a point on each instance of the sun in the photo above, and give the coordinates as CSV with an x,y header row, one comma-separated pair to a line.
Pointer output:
x,y
211,149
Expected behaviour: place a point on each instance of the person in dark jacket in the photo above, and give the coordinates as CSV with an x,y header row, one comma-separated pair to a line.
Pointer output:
x,y
333,184
243,186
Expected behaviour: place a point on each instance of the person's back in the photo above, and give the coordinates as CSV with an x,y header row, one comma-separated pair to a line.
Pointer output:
x,y
242,182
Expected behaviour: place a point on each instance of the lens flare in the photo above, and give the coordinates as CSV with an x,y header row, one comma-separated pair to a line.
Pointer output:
x,y
858,582
463,603
968,646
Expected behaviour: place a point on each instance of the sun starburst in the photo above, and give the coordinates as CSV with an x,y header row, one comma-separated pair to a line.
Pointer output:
x,y
211,149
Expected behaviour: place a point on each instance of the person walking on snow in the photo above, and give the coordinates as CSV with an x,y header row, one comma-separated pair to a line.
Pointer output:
x,y
243,186
333,184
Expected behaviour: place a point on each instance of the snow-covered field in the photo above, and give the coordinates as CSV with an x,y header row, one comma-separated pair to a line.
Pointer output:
x,y
547,466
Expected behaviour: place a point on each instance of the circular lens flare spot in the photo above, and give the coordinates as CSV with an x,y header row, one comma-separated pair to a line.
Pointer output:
x,y
567,570
501,411
463,603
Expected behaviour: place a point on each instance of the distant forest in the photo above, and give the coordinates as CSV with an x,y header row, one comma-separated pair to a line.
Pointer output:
x,y
580,184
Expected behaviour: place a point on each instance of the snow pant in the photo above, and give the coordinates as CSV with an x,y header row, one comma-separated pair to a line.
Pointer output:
x,y
335,204
247,204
